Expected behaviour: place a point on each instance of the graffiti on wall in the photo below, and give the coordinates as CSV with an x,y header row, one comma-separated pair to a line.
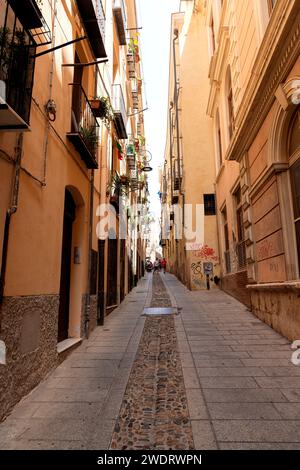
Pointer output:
x,y
199,269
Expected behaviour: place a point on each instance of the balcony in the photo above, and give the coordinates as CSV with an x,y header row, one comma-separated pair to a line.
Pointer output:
x,y
83,135
31,18
120,20
119,109
241,254
16,72
93,18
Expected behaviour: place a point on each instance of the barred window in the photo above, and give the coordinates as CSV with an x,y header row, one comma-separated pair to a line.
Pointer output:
x,y
209,204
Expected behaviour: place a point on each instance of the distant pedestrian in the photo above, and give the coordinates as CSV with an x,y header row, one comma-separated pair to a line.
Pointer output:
x,y
164,265
156,265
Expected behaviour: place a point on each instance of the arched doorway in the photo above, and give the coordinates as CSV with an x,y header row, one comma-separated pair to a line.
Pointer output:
x,y
65,277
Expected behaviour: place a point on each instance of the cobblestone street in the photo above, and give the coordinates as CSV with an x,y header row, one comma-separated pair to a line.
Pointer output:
x,y
212,376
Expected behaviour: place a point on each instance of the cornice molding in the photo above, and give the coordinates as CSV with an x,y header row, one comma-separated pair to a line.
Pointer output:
x,y
270,171
280,46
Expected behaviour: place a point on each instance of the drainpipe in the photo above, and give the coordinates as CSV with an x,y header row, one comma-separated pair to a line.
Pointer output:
x,y
176,96
171,149
51,77
12,210
176,99
89,280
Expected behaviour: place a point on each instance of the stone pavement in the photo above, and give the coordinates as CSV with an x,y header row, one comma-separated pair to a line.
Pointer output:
x,y
236,386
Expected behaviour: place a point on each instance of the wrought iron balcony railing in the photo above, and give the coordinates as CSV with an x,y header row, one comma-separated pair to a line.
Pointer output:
x,y
30,15
120,113
120,20
84,127
16,71
93,18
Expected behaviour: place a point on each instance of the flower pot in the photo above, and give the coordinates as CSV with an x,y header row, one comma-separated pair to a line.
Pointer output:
x,y
99,109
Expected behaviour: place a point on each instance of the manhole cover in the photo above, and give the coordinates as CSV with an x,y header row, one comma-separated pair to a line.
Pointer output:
x,y
159,311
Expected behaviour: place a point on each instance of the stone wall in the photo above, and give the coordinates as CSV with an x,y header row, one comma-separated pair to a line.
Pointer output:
x,y
235,285
29,330
92,316
279,307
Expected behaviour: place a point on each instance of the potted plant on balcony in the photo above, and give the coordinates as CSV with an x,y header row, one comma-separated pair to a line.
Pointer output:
x,y
90,136
102,108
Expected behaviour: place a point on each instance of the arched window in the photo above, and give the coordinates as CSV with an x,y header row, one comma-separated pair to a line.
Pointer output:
x,y
219,139
294,149
229,97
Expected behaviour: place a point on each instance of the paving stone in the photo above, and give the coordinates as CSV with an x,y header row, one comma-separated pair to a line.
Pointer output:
x,y
67,395
243,411
230,372
258,446
204,438
288,410
292,371
89,384
257,431
228,382
217,362
268,362
68,410
243,395
291,395
278,382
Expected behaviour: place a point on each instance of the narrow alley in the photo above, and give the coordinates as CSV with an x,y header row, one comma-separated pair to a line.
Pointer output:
x,y
208,376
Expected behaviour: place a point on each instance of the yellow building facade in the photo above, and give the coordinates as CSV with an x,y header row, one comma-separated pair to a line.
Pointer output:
x,y
188,174
70,112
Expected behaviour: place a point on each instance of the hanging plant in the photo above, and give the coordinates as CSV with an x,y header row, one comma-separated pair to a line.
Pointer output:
x,y
117,186
119,150
142,140
102,109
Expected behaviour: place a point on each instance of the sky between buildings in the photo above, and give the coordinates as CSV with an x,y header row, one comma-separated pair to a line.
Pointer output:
x,y
155,19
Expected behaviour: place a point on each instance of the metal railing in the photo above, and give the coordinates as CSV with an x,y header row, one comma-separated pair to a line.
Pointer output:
x,y
118,102
100,16
83,120
227,261
16,64
241,254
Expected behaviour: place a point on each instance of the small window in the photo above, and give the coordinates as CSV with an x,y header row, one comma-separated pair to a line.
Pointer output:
x,y
271,5
209,204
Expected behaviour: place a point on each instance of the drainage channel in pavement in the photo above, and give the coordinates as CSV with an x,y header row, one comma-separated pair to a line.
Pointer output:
x,y
154,413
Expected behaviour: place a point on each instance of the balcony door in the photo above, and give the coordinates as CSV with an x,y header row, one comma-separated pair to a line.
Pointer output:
x,y
65,276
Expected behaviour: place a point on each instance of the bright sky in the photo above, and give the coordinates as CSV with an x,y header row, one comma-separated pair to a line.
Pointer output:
x,y
155,19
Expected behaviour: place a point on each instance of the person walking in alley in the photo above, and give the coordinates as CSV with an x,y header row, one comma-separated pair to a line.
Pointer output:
x,y
156,265
164,265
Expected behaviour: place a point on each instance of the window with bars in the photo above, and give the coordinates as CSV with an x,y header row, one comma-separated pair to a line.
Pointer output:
x,y
209,204
226,241
241,246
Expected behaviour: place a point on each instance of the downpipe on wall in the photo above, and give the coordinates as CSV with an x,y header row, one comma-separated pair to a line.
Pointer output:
x,y
12,210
